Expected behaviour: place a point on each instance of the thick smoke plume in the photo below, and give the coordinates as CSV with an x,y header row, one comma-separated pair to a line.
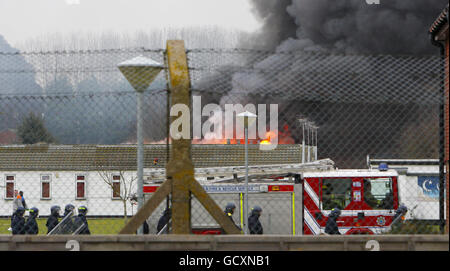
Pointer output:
x,y
354,69
350,26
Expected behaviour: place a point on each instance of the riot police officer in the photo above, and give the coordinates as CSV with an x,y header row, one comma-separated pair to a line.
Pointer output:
x,y
229,211
67,209
331,227
68,227
397,219
254,226
52,220
80,222
401,211
18,223
164,220
31,226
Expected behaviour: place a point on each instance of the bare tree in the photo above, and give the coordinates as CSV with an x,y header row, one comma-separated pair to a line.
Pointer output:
x,y
121,187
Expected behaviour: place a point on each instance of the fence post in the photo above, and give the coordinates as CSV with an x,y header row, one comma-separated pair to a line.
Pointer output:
x,y
179,167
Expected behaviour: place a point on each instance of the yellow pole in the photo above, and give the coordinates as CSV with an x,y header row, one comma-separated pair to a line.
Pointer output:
x,y
293,213
179,168
241,210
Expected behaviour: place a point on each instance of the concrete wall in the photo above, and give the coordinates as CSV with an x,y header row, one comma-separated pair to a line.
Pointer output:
x,y
225,242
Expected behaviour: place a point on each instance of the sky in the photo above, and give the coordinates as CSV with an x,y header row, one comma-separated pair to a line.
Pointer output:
x,y
25,19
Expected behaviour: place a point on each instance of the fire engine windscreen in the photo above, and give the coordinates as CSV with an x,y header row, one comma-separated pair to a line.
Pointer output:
x,y
336,193
378,193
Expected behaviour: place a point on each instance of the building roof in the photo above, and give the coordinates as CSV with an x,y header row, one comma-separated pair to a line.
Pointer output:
x,y
45,157
439,23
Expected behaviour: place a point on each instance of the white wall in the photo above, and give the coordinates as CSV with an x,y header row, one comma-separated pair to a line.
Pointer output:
x,y
420,206
63,191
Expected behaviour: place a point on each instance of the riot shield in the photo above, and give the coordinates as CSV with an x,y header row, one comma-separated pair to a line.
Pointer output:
x,y
78,228
65,226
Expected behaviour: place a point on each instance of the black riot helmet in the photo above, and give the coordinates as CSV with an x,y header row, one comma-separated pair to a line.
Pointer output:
x,y
402,209
69,208
34,212
54,210
257,210
335,212
20,211
229,208
82,210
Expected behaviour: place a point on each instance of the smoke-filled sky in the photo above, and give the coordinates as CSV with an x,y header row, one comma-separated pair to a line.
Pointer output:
x,y
24,19
353,26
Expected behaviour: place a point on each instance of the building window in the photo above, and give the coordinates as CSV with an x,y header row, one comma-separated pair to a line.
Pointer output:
x,y
9,185
81,187
45,187
116,186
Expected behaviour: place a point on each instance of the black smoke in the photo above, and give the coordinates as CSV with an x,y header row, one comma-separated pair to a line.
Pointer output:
x,y
350,26
367,75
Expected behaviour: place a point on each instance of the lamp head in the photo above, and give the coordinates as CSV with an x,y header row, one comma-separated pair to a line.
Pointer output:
x,y
247,117
140,72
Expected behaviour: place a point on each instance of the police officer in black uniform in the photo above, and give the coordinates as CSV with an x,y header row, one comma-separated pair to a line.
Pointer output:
x,y
229,211
52,220
67,209
163,220
31,226
254,226
331,227
397,219
81,220
18,223
401,211
68,226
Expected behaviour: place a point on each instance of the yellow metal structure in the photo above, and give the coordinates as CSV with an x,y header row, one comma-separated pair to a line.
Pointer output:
x,y
293,213
180,180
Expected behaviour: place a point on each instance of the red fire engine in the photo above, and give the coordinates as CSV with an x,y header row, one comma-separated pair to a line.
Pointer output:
x,y
299,201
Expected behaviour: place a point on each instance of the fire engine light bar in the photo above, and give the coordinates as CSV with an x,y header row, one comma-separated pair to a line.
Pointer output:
x,y
383,167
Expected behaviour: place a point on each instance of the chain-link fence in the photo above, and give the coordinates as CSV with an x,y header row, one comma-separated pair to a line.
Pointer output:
x,y
360,111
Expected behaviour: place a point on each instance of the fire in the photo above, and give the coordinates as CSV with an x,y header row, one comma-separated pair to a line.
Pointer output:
x,y
269,135
282,136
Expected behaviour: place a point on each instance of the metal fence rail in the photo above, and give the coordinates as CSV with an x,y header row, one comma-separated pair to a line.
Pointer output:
x,y
68,131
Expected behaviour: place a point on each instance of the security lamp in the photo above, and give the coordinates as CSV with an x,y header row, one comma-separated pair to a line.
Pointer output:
x,y
247,117
140,72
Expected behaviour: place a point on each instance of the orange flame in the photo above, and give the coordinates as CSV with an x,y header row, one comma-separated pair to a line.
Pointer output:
x,y
273,136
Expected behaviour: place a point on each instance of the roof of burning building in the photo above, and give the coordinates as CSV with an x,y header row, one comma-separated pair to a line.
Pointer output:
x,y
123,157
440,22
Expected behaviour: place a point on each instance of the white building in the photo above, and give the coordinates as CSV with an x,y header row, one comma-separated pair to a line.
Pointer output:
x,y
418,185
62,174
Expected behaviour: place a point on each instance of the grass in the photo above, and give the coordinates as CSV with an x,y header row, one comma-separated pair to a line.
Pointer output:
x,y
96,225
415,227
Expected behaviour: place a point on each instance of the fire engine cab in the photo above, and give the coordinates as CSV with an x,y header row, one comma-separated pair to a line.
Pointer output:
x,y
367,200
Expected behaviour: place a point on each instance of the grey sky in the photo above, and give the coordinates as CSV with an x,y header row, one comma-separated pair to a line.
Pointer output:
x,y
24,19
